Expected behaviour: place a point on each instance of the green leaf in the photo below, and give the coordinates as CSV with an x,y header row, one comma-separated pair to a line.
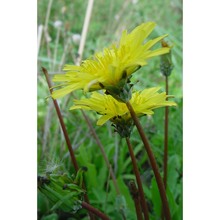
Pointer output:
x,y
171,201
178,215
99,194
136,150
91,176
172,174
129,177
83,157
52,216
155,196
125,192
120,204
102,175
64,200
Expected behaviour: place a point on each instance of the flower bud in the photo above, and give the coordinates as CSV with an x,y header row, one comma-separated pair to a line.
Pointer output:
x,y
166,65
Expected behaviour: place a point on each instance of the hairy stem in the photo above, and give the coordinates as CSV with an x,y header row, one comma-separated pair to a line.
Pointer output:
x,y
152,162
138,179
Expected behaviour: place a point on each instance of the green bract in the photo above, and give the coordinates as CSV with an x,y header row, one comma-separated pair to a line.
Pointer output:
x,y
64,192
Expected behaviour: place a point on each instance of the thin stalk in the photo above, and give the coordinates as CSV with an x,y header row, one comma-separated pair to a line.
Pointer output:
x,y
48,14
80,53
115,158
152,162
65,51
135,196
85,29
72,155
138,179
101,147
39,36
107,189
47,126
102,151
94,211
56,46
165,159
46,34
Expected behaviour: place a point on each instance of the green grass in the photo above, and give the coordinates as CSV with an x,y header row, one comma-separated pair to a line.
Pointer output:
x,y
108,19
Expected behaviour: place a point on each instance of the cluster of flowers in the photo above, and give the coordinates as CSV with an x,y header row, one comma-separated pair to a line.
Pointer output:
x,y
110,71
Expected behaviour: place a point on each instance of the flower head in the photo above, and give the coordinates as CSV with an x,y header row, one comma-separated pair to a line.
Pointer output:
x,y
111,68
117,112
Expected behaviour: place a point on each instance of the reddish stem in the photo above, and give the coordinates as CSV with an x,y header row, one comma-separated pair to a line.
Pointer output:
x,y
152,162
102,151
72,155
138,179
95,211
165,160
135,196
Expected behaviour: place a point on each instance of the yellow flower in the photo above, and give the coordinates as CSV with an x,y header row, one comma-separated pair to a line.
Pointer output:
x,y
112,67
143,103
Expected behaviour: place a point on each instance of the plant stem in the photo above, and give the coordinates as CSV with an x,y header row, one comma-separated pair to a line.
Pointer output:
x,y
165,160
103,154
152,162
138,179
79,58
80,52
85,30
102,151
72,155
95,211
46,34
39,36
135,196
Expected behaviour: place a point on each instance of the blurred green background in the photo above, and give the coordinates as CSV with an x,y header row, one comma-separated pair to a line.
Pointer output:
x,y
58,46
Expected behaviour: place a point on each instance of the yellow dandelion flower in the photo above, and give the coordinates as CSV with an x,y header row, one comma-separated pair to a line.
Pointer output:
x,y
109,108
112,67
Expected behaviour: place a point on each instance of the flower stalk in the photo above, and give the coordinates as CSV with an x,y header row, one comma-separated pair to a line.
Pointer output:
x,y
138,179
94,211
72,155
153,163
166,67
135,195
110,70
93,132
165,159
102,151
